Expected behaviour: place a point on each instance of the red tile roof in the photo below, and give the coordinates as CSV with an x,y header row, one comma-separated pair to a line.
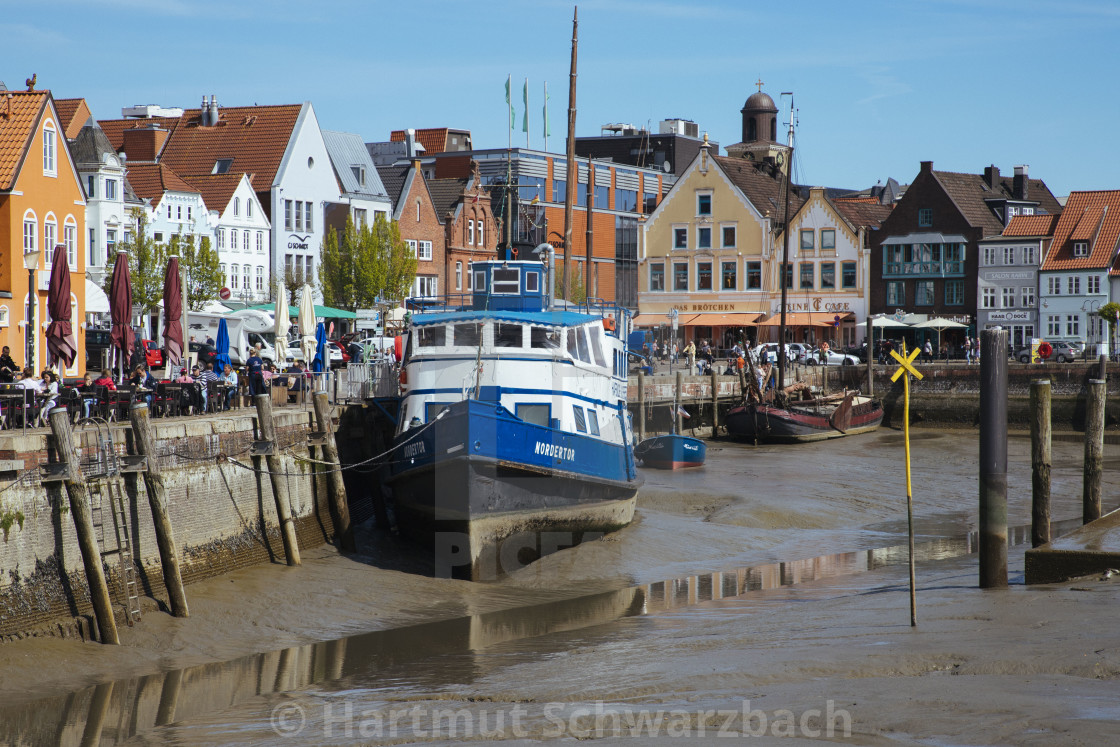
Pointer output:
x,y
217,189
20,112
150,180
1031,225
1094,216
73,115
863,213
114,128
434,139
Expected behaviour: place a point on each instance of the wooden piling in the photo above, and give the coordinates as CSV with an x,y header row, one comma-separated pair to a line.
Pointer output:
x,y
1094,451
993,458
1040,462
641,406
677,403
78,494
870,356
325,425
715,404
157,500
1102,368
279,485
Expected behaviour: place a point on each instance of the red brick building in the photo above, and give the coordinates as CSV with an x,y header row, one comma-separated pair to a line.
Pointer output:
x,y
415,212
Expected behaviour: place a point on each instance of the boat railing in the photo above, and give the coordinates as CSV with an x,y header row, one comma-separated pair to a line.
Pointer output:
x,y
609,310
442,303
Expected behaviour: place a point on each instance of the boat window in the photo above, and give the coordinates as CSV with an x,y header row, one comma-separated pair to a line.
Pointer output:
x,y
597,346
572,348
581,340
531,281
543,337
480,281
581,420
407,350
593,421
432,409
508,335
535,414
506,281
468,334
434,336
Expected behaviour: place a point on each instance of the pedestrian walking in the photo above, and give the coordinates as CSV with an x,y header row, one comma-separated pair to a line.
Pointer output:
x,y
927,352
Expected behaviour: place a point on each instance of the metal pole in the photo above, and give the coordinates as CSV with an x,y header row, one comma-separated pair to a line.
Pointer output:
x,y
715,403
641,406
677,404
993,458
1094,451
570,153
590,236
30,320
1040,462
909,492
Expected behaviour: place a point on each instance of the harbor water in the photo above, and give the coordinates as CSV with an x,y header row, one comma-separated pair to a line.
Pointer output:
x,y
764,594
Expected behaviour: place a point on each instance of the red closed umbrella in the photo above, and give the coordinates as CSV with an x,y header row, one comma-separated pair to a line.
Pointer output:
x,y
121,337
61,344
173,314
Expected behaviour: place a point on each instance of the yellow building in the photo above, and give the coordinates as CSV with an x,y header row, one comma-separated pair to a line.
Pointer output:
x,y
42,206
710,249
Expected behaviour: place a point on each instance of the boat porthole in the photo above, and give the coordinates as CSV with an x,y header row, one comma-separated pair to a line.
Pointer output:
x,y
477,445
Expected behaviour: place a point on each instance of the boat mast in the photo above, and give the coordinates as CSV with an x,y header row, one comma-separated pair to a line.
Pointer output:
x,y
573,167
785,256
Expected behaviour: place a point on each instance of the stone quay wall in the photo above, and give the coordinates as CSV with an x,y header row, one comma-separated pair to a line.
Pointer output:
x,y
223,516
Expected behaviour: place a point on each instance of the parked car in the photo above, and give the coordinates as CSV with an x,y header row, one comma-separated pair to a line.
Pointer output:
x,y
1063,352
832,358
768,352
798,350
153,356
206,353
337,346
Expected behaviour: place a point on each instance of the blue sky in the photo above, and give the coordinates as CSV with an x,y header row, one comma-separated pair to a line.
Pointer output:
x,y
879,86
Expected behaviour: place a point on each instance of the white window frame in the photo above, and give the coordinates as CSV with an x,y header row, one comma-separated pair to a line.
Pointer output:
x,y
260,242
988,298
1081,248
458,276
989,256
70,238
1054,285
412,246
50,238
1007,297
1073,283
1073,325
1093,284
1009,255
424,250
234,276
260,277
479,235
50,149
734,235
1026,296
679,246
30,232
470,232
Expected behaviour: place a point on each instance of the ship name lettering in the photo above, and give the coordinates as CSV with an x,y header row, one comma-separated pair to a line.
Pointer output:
x,y
414,448
557,451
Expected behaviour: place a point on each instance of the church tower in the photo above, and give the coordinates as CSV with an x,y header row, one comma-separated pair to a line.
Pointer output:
x,y
760,132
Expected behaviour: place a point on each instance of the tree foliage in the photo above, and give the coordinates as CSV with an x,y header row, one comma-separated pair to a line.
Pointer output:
x,y
1110,312
577,291
147,264
294,279
204,276
363,263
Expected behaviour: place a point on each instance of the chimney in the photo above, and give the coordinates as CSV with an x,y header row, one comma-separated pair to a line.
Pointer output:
x,y
927,167
1019,186
991,176
215,115
410,143
144,143
203,113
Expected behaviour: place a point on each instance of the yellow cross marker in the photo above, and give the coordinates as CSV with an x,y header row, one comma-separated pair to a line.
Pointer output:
x,y
906,364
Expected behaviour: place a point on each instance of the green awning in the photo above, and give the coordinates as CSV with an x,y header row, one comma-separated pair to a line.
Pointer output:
x,y
327,312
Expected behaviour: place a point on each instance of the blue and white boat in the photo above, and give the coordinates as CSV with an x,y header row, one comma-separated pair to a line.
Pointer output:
x,y
513,436
671,451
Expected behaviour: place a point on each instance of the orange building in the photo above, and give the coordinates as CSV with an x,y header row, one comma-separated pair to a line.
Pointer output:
x,y
42,206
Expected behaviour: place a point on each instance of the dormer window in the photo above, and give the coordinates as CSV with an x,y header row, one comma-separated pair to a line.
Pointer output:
x,y
359,174
1081,248
222,166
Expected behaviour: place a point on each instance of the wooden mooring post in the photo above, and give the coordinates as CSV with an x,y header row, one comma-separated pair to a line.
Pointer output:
x,y
1094,451
641,406
157,500
329,453
275,473
78,494
1040,462
715,404
993,458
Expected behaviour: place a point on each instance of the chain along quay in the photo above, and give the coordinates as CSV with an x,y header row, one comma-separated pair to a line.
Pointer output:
x,y
249,566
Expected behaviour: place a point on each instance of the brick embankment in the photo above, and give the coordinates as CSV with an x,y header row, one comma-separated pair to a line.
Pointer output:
x,y
224,516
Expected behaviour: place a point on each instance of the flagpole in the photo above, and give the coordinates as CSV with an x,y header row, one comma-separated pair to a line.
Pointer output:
x,y
546,116
525,122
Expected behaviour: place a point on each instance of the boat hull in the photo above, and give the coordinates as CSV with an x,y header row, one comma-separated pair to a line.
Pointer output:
x,y
671,452
491,493
767,423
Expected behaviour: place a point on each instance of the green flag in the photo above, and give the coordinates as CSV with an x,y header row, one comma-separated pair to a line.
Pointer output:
x,y
509,103
525,98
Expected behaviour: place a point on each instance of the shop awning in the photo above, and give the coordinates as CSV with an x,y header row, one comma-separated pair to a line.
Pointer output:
x,y
652,320
721,320
801,319
96,300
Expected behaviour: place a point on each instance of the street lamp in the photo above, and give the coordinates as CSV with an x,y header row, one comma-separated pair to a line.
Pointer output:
x,y
31,262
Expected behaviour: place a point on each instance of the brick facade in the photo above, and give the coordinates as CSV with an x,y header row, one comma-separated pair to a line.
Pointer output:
x,y
418,222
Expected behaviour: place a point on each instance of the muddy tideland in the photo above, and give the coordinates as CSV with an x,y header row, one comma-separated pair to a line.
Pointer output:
x,y
763,595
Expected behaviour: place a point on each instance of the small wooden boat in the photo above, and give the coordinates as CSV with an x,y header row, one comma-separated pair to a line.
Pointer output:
x,y
671,451
805,420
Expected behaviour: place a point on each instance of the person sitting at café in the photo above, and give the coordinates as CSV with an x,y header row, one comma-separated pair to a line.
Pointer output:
x,y
49,388
204,378
142,379
297,381
89,394
185,377
229,377
106,380
8,367
28,381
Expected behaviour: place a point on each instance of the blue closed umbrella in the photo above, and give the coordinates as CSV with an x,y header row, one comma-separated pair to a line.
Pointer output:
x,y
221,346
319,363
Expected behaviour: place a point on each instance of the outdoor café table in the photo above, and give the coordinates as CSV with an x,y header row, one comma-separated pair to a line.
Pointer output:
x,y
168,396
10,402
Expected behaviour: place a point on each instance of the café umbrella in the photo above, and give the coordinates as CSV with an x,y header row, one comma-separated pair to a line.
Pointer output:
x,y
173,314
319,363
221,348
306,323
283,323
121,337
61,344
939,324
